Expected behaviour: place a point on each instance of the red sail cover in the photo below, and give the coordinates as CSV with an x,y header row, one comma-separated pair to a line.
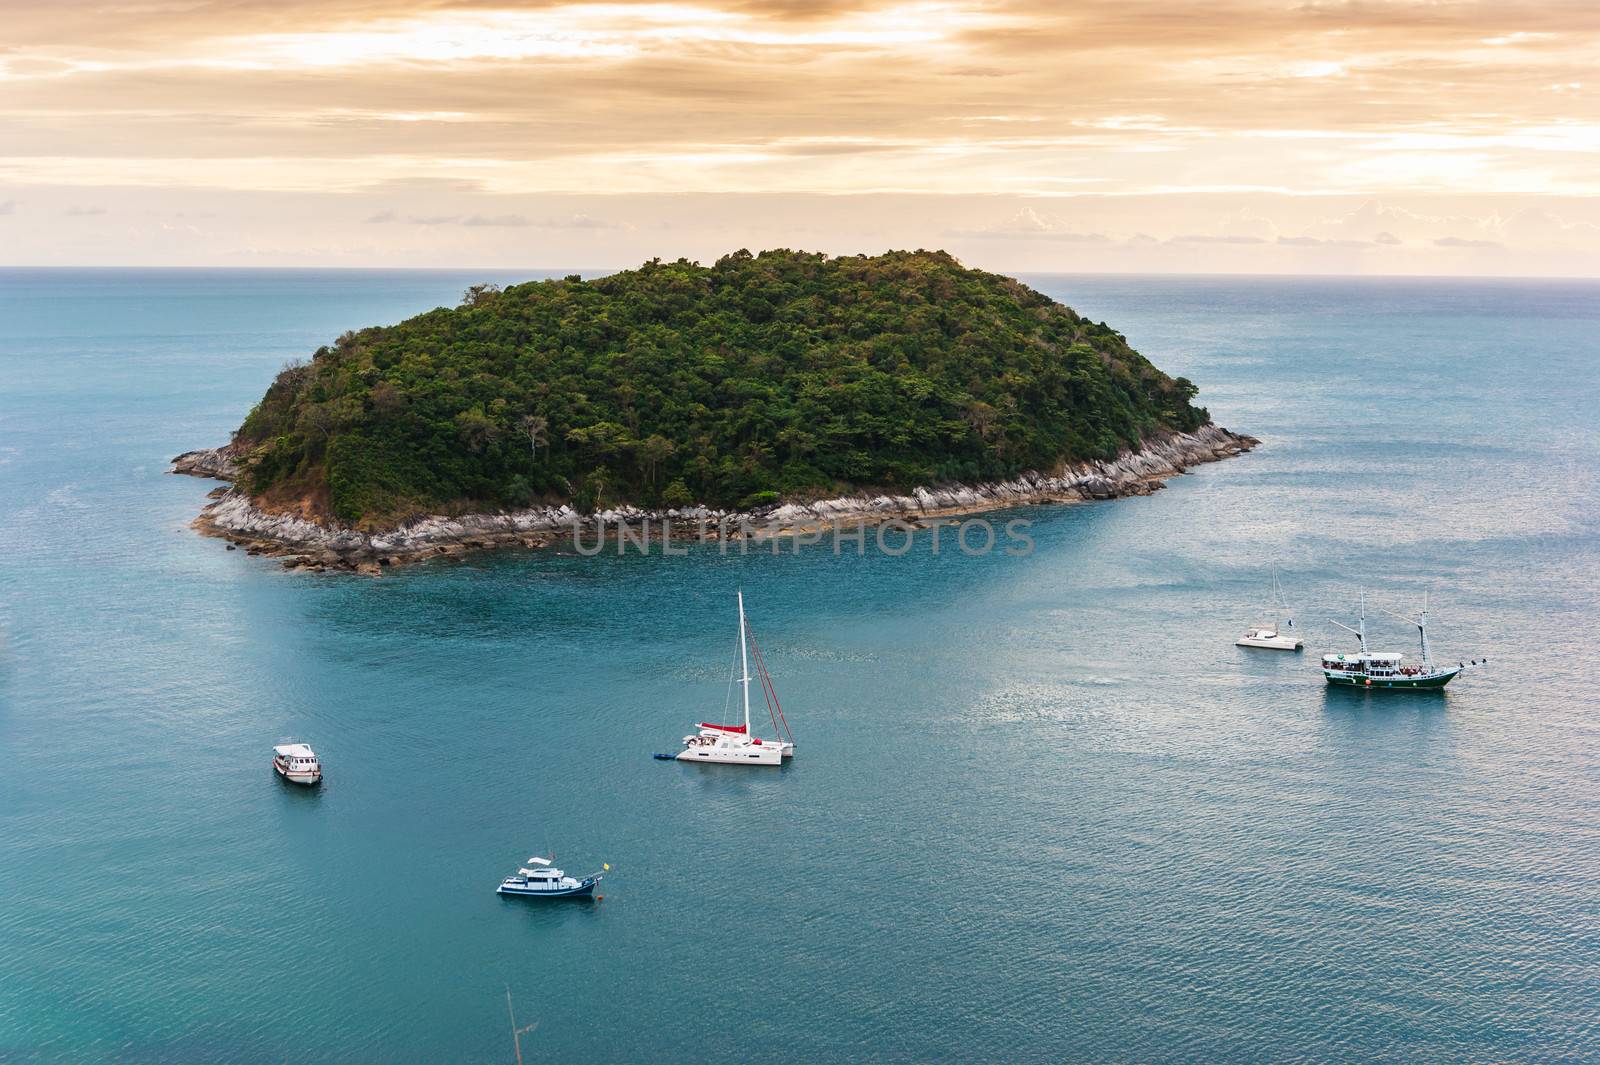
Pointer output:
x,y
723,728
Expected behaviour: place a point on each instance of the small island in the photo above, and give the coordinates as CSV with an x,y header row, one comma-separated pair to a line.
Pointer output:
x,y
797,387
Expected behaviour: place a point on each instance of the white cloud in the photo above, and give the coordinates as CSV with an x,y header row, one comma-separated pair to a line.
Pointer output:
x,y
497,220
1320,242
1247,223
1382,223
1537,227
1028,224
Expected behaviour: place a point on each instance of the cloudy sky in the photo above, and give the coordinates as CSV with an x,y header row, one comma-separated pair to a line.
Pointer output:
x,y
1308,136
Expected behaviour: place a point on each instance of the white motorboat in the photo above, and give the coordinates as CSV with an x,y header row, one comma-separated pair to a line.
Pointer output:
x,y
540,879
297,762
737,744
1278,636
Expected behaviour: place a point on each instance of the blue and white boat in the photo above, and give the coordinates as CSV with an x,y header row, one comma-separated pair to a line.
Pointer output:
x,y
540,878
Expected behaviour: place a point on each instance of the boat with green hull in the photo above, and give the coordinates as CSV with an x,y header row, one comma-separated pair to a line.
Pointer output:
x,y
1378,671
1387,669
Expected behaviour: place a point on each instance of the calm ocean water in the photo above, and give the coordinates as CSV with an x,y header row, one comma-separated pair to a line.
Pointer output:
x,y
1042,810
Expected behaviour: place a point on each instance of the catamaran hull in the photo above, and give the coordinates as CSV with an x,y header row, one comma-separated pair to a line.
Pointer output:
x,y
1438,680
763,755
711,732
1277,643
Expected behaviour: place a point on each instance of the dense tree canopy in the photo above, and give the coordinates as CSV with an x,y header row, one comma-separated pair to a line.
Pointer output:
x,y
784,374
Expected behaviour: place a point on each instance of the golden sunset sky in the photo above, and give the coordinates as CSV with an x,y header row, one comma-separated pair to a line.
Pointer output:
x,y
1295,137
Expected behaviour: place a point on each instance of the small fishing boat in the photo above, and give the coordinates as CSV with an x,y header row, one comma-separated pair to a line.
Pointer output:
x,y
1274,637
297,762
736,744
1386,669
538,878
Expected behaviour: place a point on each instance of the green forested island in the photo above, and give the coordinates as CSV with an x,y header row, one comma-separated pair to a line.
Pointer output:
x,y
779,375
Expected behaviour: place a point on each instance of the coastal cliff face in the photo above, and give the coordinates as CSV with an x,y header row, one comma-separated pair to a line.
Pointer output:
x,y
216,463
317,545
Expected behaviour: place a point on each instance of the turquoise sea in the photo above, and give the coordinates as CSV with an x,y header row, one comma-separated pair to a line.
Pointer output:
x,y
1043,810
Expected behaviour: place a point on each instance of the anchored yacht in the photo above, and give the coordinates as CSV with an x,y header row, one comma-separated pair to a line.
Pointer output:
x,y
1273,636
297,762
736,744
1385,669
539,878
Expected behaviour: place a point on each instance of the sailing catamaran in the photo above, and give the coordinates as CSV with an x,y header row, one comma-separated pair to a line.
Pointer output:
x,y
736,744
1381,669
1272,636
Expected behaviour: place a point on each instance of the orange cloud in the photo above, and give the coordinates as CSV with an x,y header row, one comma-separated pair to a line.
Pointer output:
x,y
1015,99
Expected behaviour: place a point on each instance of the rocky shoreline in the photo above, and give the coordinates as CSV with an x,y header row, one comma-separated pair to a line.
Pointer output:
x,y
312,545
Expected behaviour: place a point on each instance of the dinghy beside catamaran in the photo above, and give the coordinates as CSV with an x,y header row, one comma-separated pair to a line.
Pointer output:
x,y
1383,669
737,744
1273,637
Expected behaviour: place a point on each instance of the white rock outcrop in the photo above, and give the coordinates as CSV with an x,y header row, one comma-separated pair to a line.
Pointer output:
x,y
235,517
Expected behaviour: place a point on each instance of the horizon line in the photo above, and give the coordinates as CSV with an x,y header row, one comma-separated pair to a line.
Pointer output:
x,y
593,272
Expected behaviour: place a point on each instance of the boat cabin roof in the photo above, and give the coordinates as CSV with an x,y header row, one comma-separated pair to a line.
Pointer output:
x,y
1372,656
294,750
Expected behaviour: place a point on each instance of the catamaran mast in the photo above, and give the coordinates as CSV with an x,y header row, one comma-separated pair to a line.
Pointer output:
x,y
744,664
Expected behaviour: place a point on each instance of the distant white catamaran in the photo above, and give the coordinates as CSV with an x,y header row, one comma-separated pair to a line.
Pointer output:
x,y
737,744
1278,636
